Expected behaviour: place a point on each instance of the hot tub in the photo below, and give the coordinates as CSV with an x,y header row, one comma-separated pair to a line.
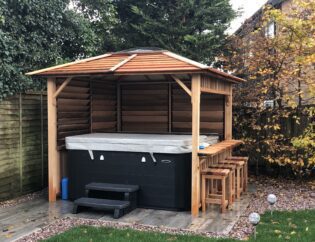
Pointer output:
x,y
159,164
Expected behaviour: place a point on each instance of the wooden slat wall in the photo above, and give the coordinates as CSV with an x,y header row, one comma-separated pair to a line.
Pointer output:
x,y
23,145
103,108
144,108
73,109
212,85
211,115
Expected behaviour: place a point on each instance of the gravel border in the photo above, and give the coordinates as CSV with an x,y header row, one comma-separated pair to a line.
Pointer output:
x,y
291,194
22,199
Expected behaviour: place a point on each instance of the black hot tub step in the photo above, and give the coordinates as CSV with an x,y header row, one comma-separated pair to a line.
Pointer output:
x,y
117,205
109,187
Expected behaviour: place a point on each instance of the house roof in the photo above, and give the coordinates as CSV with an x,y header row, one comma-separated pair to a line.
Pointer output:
x,y
257,14
132,61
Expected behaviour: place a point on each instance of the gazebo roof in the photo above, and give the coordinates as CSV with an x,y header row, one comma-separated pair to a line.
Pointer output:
x,y
133,62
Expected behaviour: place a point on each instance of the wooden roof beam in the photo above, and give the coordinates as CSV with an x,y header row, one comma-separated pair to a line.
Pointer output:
x,y
179,82
120,64
62,86
186,60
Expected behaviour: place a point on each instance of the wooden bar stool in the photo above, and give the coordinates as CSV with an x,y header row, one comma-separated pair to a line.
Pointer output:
x,y
239,174
232,175
245,159
211,194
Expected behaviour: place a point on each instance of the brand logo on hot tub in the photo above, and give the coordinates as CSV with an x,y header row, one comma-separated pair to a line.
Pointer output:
x,y
166,161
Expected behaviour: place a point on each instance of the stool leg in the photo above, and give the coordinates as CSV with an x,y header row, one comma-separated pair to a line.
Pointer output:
x,y
242,181
238,183
203,196
230,188
223,196
246,176
233,184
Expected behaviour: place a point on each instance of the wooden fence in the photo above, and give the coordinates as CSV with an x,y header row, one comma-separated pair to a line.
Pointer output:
x,y
23,144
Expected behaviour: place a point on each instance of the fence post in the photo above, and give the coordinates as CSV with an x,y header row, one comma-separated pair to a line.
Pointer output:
x,y
21,143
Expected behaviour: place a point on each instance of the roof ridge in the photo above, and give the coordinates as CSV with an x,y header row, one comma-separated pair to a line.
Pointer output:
x,y
122,63
186,60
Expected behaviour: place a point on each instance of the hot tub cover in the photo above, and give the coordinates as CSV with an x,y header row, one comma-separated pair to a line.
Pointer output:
x,y
152,143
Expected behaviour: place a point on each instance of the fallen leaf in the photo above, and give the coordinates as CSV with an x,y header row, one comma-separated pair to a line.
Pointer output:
x,y
277,231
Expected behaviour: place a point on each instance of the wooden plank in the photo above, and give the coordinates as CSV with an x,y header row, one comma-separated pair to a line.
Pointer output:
x,y
195,172
186,60
205,116
74,89
72,102
220,147
144,113
65,127
214,91
114,68
145,119
53,155
182,85
62,86
67,64
203,125
70,95
103,125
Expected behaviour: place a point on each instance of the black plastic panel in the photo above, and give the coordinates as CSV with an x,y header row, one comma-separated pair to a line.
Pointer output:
x,y
165,184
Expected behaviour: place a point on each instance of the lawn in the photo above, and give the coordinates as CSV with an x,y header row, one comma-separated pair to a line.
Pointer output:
x,y
282,226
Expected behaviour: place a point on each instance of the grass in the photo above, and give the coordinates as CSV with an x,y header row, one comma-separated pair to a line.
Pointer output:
x,y
282,226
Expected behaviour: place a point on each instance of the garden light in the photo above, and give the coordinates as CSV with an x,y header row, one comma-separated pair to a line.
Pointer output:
x,y
272,199
254,219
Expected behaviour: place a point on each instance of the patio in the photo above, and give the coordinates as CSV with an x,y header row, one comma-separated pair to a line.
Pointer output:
x,y
38,213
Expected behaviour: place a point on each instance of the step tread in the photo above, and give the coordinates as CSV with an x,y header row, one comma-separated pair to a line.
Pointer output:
x,y
102,203
110,187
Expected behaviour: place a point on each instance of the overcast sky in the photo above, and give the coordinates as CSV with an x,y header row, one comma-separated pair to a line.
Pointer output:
x,y
248,8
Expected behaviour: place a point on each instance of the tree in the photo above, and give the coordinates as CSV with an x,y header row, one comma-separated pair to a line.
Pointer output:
x,y
194,28
36,34
279,69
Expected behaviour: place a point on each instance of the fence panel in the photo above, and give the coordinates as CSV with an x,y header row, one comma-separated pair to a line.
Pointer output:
x,y
23,145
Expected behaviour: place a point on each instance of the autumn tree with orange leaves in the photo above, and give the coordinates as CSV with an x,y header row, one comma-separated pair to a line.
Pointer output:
x,y
274,110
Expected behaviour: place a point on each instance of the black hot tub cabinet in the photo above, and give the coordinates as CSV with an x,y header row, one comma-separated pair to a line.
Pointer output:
x,y
159,164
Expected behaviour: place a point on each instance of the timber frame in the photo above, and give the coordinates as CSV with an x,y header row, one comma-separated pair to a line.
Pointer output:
x,y
194,83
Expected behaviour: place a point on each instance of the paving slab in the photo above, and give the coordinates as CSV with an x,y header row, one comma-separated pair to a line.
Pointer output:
x,y
24,218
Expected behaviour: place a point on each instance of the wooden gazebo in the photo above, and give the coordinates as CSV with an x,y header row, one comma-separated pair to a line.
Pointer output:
x,y
138,90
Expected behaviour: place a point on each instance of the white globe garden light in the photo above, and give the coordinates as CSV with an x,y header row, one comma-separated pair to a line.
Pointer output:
x,y
254,219
272,199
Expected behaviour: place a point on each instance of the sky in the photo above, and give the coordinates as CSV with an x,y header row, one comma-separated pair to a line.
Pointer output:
x,y
248,8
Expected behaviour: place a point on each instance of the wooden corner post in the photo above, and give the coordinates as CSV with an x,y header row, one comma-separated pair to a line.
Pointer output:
x,y
53,155
228,115
195,172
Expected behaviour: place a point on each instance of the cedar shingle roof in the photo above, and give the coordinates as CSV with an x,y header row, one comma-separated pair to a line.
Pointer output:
x,y
135,61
